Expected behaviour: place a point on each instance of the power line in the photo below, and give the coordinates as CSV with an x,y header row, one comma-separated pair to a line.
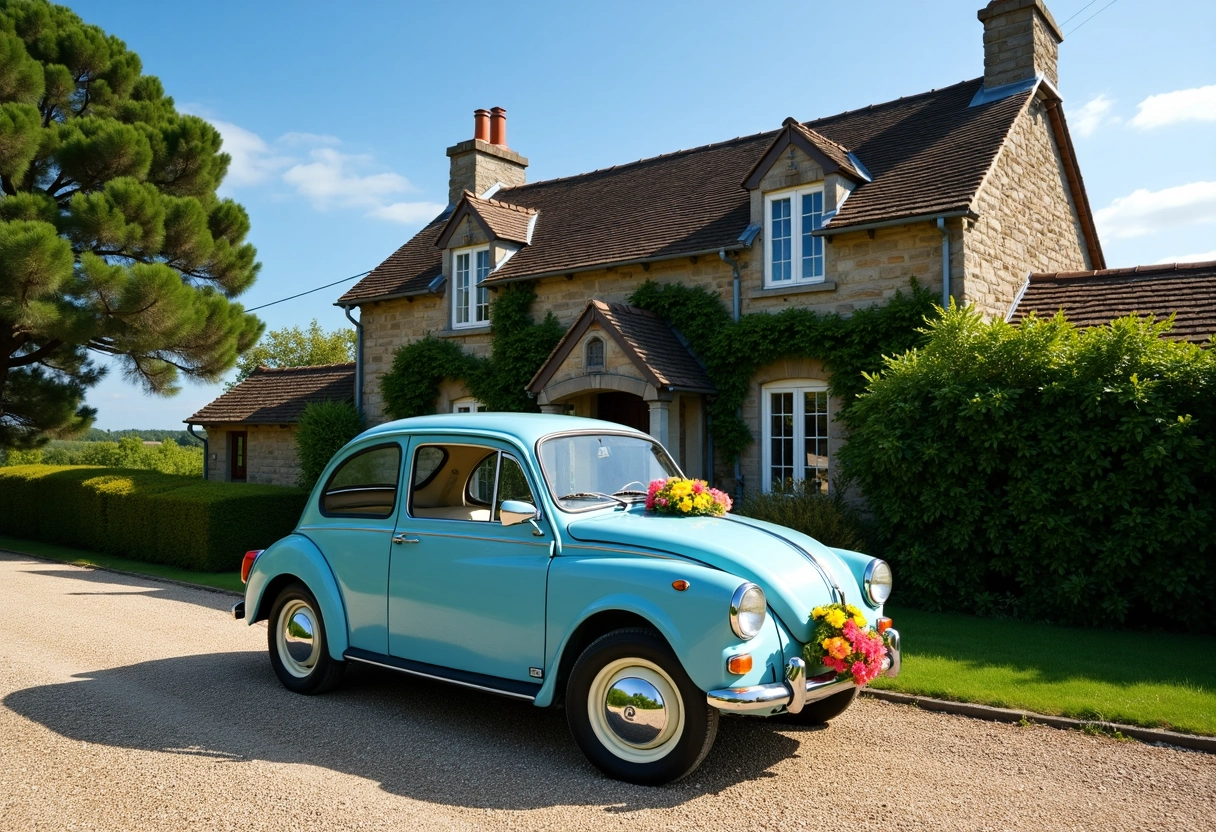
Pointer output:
x,y
310,291
1091,17
1078,11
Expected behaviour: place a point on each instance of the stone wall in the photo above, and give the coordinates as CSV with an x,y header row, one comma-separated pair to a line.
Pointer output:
x,y
1021,39
477,165
1027,219
271,454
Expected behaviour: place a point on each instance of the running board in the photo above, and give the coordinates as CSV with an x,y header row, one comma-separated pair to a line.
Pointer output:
x,y
477,681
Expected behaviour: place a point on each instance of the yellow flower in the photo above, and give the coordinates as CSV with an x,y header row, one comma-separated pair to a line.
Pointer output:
x,y
685,504
818,612
859,620
836,617
852,610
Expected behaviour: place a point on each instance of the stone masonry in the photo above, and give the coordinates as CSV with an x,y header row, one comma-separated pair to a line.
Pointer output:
x,y
1021,40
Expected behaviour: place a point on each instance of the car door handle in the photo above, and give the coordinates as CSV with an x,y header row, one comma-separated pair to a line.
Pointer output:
x,y
400,538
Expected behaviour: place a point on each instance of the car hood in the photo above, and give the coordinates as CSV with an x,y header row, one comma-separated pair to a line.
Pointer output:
x,y
776,558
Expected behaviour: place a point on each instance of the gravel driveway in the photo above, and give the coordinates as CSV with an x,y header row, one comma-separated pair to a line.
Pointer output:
x,y
131,704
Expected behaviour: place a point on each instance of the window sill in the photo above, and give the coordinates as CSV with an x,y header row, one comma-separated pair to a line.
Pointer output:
x,y
482,329
796,289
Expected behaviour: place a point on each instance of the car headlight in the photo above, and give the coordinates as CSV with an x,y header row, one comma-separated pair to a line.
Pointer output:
x,y
878,582
748,607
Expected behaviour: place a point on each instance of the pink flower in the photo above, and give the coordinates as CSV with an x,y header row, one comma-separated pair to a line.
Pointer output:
x,y
851,632
698,487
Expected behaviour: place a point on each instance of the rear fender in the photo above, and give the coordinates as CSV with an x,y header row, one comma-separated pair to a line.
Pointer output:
x,y
297,557
695,622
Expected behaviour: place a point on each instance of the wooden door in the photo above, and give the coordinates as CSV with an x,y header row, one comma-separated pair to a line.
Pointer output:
x,y
624,409
238,454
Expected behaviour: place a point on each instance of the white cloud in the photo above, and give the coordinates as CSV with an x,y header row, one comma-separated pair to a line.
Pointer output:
x,y
314,168
1144,212
1090,116
1201,257
1198,104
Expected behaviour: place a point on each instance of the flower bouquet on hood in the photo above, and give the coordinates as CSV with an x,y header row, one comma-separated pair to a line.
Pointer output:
x,y
687,498
841,643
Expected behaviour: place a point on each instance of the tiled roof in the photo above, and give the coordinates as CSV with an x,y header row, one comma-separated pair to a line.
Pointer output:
x,y
648,340
278,395
506,221
926,154
1092,298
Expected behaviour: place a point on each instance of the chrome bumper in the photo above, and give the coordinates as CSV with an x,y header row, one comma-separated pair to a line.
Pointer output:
x,y
797,690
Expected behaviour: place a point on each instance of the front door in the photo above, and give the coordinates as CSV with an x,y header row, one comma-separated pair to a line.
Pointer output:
x,y
466,592
624,409
238,452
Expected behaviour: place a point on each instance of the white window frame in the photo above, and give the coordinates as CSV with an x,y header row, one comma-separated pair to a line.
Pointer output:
x,y
470,300
467,404
798,387
797,278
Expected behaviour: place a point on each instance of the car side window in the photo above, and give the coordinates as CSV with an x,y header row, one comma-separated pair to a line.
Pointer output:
x,y
364,485
427,462
465,482
512,484
480,488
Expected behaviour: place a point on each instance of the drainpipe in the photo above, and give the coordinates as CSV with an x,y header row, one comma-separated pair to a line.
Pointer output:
x,y
203,439
734,267
358,360
941,226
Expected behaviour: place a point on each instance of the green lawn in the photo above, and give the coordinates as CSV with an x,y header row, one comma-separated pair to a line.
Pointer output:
x,y
219,580
1160,680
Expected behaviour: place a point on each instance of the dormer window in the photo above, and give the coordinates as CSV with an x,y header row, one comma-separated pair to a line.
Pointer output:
x,y
595,355
792,254
470,300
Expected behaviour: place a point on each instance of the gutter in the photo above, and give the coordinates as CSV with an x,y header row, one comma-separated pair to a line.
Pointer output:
x,y
206,447
734,268
941,226
615,264
828,231
358,360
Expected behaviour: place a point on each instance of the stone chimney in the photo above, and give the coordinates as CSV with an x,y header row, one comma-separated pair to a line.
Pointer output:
x,y
485,159
1021,40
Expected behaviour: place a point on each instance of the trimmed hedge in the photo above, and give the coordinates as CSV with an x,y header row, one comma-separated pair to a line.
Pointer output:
x,y
146,515
1045,471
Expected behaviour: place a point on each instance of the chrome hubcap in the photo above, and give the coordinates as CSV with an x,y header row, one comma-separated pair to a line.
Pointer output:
x,y
634,710
297,637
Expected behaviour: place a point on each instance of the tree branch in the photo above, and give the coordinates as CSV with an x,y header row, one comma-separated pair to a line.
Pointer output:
x,y
37,355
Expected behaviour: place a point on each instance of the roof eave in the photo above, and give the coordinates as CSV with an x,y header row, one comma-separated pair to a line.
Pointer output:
x,y
737,245
828,230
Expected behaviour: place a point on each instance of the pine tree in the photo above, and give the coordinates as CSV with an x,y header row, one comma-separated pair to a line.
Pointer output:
x,y
112,238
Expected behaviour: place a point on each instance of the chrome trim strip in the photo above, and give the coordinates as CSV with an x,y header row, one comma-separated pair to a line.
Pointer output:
x,y
422,675
634,552
827,578
477,537
772,696
327,528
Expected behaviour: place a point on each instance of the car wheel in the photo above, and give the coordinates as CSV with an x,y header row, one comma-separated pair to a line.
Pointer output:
x,y
299,651
823,711
635,713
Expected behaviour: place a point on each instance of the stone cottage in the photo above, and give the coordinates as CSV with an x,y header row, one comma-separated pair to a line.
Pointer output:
x,y
968,189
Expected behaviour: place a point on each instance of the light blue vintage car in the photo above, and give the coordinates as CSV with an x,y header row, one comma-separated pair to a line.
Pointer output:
x,y
512,553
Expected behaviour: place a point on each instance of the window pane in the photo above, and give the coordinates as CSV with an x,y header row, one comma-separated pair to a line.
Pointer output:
x,y
512,484
427,462
781,432
781,240
481,483
815,436
365,484
812,247
462,288
483,294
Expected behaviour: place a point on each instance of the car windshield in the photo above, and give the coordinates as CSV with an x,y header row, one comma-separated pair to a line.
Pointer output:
x,y
586,470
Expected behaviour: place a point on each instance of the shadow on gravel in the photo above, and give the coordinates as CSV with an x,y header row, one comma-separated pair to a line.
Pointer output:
x,y
419,739
198,596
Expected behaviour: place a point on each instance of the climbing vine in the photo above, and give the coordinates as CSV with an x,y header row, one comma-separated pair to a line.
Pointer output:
x,y
519,347
732,351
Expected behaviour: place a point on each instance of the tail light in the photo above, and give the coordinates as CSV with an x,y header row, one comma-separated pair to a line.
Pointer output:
x,y
247,564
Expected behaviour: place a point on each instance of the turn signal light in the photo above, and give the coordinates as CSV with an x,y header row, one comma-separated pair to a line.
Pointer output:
x,y
247,564
739,664
884,624
679,586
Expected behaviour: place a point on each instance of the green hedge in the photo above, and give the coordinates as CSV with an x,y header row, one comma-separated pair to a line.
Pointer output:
x,y
1044,471
146,515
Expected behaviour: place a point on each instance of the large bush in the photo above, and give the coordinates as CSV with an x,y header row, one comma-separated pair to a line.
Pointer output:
x,y
829,518
324,428
145,515
1045,471
168,457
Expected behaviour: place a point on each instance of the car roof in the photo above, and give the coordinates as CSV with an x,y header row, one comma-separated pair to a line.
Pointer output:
x,y
526,427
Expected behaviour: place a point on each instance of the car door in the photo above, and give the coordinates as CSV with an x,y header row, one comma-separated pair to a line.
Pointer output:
x,y
359,504
465,591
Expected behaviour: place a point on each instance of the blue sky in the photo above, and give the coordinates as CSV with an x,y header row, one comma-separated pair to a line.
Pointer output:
x,y
337,115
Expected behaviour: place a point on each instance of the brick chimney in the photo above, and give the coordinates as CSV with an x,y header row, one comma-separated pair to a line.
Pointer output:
x,y
1021,40
479,162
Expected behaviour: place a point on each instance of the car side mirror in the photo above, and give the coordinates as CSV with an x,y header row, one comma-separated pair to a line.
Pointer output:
x,y
514,512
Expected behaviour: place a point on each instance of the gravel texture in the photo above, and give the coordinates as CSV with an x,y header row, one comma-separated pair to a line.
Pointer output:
x,y
130,704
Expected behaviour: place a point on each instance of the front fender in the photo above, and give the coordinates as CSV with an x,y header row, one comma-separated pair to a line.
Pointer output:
x,y
297,556
695,622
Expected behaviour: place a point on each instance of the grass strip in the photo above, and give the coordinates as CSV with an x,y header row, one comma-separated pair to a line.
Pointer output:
x,y
1154,679
79,557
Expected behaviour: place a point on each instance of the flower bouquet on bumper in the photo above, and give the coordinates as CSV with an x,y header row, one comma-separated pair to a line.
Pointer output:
x,y
841,642
686,498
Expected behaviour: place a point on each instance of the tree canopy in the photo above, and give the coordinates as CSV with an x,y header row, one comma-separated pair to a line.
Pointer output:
x,y
296,347
112,238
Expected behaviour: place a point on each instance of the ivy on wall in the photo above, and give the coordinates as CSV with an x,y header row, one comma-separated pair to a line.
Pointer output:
x,y
519,347
733,351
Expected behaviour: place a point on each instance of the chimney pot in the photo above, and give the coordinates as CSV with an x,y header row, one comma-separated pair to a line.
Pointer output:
x,y
498,126
481,125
